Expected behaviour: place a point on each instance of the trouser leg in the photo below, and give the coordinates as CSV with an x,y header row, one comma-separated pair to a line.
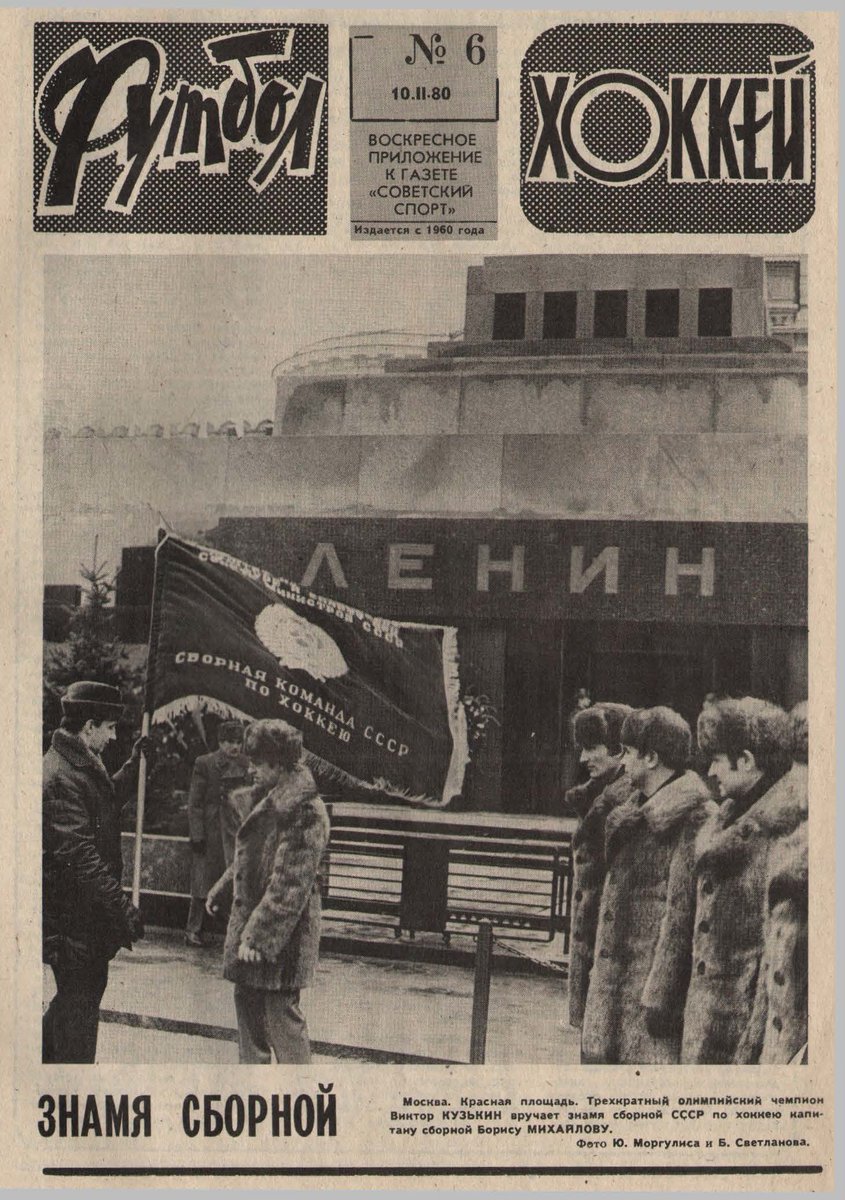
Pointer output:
x,y
229,825
70,1025
252,1033
287,1030
196,915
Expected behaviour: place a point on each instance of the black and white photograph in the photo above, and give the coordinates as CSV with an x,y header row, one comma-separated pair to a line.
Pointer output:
x,y
420,579
425,663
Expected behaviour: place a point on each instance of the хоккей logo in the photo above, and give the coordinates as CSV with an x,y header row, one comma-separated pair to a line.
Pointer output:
x,y
179,127
689,128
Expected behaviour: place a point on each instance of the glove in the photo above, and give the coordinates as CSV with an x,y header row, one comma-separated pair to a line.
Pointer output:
x,y
198,846
143,745
134,924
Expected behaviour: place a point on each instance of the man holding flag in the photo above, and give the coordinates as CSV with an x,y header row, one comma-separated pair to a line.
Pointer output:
x,y
86,916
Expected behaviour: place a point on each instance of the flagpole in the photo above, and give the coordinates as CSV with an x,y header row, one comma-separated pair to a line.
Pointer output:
x,y
145,730
139,816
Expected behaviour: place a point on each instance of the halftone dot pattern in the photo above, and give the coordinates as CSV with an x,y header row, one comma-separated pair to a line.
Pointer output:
x,y
654,205
615,127
183,200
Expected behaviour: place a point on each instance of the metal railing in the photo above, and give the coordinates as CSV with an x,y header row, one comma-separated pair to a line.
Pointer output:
x,y
357,353
442,879
420,874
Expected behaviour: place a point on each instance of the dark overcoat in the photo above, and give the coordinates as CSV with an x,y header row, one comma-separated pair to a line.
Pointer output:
x,y
274,883
732,866
641,969
83,903
591,801
211,816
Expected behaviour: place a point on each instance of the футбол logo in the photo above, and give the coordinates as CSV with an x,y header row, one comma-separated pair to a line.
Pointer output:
x,y
663,128
180,128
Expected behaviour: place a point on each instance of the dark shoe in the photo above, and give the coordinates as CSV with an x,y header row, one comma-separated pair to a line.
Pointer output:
x,y
195,939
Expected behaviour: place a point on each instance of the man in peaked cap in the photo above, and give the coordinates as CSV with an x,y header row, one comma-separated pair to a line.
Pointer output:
x,y
217,804
86,916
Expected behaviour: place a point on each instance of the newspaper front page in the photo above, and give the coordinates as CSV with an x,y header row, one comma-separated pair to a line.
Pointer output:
x,y
419,563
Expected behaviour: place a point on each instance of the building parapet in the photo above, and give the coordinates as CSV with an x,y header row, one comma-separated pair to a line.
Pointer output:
x,y
192,429
659,351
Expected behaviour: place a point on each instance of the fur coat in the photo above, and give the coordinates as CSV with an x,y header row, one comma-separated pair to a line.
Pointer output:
x,y
777,1029
732,866
591,801
641,969
275,884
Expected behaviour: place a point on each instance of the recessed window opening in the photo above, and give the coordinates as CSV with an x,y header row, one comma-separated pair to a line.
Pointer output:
x,y
509,316
783,281
610,315
715,311
662,312
560,311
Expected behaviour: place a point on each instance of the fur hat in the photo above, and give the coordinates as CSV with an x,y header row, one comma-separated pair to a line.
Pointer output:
x,y
731,727
89,701
600,725
662,731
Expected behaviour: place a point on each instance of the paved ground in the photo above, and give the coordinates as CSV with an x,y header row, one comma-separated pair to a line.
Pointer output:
x,y
167,1002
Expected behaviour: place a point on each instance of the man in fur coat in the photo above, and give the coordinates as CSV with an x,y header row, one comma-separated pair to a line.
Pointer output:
x,y
273,937
748,743
596,732
777,1031
639,978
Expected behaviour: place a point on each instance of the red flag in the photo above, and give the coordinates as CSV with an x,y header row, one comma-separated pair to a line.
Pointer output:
x,y
377,700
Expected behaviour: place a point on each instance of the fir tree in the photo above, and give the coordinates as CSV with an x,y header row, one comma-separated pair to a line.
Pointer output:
x,y
91,651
